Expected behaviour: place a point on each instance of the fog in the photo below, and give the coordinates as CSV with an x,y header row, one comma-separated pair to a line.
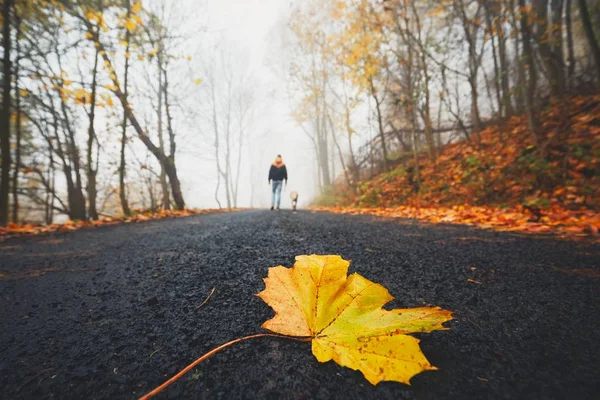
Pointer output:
x,y
240,38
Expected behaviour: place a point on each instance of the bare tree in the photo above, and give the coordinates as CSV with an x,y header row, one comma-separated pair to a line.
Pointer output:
x,y
5,129
227,114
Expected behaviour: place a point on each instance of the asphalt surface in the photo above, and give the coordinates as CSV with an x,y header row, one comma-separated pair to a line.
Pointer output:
x,y
110,312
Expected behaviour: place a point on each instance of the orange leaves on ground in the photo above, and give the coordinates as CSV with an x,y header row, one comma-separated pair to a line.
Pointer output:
x,y
344,318
506,182
33,229
559,221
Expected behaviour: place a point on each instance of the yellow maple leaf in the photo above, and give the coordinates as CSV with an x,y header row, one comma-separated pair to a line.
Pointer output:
x,y
343,317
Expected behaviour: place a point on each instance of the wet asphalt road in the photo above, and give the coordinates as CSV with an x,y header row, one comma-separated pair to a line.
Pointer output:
x,y
109,312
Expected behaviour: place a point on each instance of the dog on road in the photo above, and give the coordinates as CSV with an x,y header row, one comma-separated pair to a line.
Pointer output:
x,y
294,199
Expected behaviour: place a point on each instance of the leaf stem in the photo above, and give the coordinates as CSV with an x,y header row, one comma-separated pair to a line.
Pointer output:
x,y
213,352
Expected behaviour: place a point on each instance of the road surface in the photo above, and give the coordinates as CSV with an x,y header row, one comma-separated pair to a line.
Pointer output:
x,y
110,312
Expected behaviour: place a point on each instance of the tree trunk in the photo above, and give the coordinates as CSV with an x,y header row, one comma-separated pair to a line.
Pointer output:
x,y
475,118
529,65
75,197
331,157
153,205
431,151
380,126
241,119
589,33
166,204
170,130
5,113
494,34
91,173
77,209
122,164
50,194
556,45
521,80
322,145
217,189
226,178
228,175
355,171
474,63
570,48
506,97
323,153
413,120
215,122
122,168
319,173
18,126
497,72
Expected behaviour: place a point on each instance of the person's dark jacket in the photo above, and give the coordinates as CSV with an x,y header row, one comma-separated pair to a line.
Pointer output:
x,y
278,173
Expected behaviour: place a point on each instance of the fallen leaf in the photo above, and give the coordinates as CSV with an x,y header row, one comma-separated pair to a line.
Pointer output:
x,y
342,316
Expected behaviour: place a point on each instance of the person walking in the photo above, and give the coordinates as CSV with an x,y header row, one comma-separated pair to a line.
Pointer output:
x,y
277,174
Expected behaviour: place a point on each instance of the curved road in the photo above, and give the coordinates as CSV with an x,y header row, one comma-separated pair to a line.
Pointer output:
x,y
110,312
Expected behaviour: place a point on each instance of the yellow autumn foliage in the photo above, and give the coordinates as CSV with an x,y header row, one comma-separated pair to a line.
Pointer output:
x,y
137,7
130,25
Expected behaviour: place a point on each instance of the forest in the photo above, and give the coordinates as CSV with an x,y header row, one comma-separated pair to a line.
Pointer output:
x,y
435,73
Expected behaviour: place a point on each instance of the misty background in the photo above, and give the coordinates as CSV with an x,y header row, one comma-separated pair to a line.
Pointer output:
x,y
242,39
114,107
